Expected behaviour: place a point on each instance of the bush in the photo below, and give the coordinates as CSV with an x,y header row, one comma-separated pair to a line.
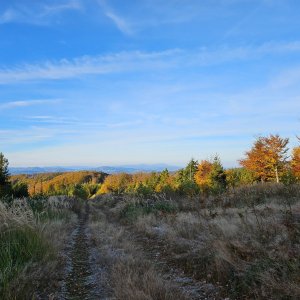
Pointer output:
x,y
20,190
78,191
143,190
189,188
37,203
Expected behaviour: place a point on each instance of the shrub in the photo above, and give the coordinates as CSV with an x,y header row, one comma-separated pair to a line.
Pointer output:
x,y
20,190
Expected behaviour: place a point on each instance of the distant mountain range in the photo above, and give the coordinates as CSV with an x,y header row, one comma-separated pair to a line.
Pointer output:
x,y
106,169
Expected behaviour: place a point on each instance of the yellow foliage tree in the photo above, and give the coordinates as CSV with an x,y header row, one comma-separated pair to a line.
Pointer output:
x,y
295,163
202,176
116,183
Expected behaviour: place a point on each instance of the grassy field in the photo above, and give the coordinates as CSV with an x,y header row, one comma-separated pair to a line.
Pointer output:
x,y
243,244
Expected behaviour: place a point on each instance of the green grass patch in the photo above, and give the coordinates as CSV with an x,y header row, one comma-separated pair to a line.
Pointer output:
x,y
18,248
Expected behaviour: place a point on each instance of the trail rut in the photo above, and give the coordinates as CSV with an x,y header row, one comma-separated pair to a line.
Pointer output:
x,y
86,278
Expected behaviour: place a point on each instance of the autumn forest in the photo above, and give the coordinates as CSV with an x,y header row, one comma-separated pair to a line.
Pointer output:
x,y
267,161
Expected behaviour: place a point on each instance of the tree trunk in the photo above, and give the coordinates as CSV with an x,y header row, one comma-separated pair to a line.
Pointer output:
x,y
276,173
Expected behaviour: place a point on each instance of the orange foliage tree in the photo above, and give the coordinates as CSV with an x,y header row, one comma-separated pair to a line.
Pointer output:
x,y
202,175
267,158
211,176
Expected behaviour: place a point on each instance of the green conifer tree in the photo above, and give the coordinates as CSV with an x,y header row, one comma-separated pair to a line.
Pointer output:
x,y
218,176
4,176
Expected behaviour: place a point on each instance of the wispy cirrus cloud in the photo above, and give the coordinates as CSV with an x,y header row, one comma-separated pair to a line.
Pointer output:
x,y
60,7
119,21
25,103
8,16
88,65
33,134
139,16
38,13
140,61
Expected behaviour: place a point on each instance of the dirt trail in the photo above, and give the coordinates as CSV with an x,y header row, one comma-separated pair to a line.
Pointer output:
x,y
85,277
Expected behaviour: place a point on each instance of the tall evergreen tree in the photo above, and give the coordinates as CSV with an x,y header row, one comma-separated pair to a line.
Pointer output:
x,y
218,175
4,176
188,173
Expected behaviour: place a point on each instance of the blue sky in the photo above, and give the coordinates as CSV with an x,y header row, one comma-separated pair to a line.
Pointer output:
x,y
88,82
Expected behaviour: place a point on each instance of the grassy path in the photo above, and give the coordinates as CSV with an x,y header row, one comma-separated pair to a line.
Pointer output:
x,y
84,276
141,265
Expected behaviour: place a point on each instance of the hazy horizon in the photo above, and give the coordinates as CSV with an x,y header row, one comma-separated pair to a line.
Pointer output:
x,y
102,82
95,166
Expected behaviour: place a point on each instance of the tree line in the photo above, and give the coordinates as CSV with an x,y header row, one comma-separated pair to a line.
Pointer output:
x,y
266,161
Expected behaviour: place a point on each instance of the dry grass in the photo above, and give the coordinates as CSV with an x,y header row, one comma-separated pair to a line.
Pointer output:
x,y
136,279
17,214
247,240
132,276
30,243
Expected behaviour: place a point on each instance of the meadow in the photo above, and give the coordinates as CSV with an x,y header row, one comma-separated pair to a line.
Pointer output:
x,y
241,244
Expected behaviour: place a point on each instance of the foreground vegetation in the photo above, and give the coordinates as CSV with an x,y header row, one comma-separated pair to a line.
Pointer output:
x,y
246,242
243,243
32,233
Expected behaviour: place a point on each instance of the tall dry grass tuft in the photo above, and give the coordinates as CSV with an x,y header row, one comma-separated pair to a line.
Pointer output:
x,y
21,242
16,214
30,234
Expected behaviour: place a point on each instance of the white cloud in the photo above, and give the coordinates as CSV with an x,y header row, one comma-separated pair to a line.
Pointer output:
x,y
119,21
138,145
24,103
20,137
8,16
37,13
58,8
120,62
140,61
